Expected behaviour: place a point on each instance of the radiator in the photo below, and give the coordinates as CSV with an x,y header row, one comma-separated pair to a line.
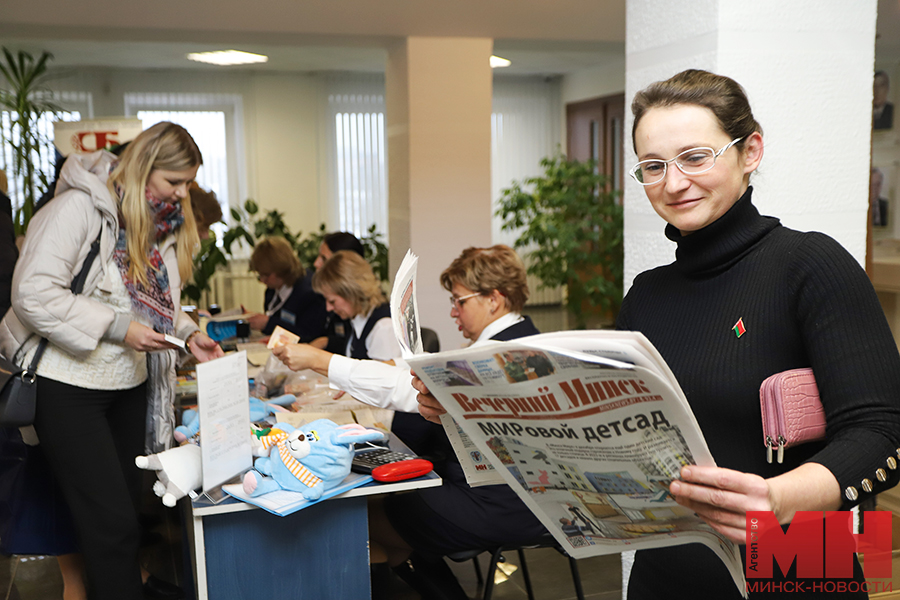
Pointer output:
x,y
541,297
232,290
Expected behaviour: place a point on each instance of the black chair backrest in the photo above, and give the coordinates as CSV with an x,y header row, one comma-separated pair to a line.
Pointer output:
x,y
430,341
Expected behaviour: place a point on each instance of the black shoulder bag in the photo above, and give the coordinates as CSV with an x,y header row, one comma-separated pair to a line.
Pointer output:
x,y
18,385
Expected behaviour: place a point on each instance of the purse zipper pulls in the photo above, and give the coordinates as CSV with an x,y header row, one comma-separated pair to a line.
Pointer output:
x,y
781,443
769,448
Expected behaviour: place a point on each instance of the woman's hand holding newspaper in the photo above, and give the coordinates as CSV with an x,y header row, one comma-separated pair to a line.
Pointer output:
x,y
722,497
429,407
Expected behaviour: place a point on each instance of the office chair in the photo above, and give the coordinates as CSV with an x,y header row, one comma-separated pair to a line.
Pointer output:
x,y
430,341
544,541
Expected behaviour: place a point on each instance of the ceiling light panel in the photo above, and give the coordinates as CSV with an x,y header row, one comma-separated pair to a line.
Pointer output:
x,y
497,62
228,57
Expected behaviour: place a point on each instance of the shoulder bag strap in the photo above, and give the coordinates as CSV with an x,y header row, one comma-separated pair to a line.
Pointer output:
x,y
76,287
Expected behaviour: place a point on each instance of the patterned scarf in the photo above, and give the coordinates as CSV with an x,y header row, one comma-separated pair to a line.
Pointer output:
x,y
154,300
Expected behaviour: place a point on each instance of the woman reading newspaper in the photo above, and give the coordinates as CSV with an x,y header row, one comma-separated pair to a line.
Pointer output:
x,y
747,298
488,291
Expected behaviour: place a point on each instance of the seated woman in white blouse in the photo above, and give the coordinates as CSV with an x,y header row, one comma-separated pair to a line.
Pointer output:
x,y
352,292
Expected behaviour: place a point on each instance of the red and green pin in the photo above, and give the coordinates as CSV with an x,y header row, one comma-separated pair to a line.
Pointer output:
x,y
739,328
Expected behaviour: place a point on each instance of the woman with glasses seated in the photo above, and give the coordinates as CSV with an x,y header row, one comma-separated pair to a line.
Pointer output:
x,y
488,292
290,300
747,298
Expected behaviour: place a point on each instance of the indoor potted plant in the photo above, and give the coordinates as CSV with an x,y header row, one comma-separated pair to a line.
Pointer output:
x,y
26,98
570,226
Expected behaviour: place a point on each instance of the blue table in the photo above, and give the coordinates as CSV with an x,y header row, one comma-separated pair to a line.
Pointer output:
x,y
241,552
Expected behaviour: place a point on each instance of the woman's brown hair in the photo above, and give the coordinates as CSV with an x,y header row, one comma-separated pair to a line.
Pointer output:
x,y
275,256
484,270
348,275
722,95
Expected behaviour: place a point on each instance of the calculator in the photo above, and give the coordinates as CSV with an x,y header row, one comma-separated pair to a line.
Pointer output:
x,y
366,460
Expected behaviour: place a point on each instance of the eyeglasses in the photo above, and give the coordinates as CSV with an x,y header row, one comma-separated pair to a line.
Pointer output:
x,y
262,276
458,302
690,162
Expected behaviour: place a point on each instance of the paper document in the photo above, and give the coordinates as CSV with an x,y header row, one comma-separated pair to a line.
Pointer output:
x,y
404,310
224,407
281,337
286,502
175,341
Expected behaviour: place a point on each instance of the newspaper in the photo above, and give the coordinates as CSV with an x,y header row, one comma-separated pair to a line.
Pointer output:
x,y
404,309
588,427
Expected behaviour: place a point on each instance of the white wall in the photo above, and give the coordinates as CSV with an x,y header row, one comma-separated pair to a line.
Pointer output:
x,y
585,84
284,160
807,68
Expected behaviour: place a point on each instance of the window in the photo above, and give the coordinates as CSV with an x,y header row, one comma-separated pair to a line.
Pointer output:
x,y
356,153
525,127
360,177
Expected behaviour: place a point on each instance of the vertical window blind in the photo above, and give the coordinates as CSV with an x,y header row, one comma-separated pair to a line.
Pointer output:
x,y
356,153
525,127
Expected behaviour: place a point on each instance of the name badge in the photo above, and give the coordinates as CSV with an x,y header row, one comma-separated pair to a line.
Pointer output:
x,y
288,317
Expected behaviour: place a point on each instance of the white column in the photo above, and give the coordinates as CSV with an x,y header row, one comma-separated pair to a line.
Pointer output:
x,y
807,68
439,147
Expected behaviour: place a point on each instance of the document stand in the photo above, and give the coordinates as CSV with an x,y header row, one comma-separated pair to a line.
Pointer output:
x,y
216,494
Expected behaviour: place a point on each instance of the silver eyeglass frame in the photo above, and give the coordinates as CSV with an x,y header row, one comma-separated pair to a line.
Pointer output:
x,y
665,163
458,302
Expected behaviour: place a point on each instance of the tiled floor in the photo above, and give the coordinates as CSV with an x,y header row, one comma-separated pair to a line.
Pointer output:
x,y
37,578
551,579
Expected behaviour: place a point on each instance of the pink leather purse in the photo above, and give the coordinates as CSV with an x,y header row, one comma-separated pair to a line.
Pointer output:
x,y
792,412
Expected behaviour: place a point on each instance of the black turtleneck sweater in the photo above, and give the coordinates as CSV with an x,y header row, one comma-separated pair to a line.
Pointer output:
x,y
804,302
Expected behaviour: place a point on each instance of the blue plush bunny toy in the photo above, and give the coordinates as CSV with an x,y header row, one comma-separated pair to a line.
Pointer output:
x,y
310,460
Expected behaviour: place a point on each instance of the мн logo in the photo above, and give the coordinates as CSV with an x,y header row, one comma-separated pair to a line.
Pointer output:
x,y
823,544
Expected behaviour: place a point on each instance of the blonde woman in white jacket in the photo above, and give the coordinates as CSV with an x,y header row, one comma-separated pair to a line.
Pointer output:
x,y
93,378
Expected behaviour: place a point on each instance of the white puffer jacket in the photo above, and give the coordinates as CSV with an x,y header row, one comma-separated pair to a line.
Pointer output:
x,y
58,240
